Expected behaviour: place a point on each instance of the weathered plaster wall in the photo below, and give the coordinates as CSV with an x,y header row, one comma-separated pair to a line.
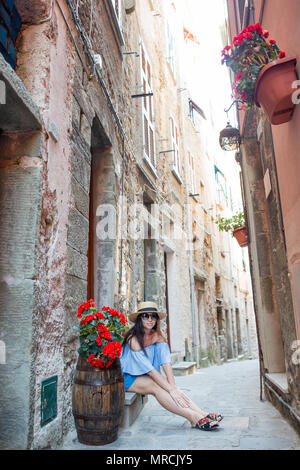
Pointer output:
x,y
286,141
271,172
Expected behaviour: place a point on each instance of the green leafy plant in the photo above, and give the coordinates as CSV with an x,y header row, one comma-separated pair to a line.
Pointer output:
x,y
101,334
251,51
230,224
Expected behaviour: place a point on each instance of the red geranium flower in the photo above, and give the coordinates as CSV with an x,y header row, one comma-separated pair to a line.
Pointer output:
x,y
103,331
258,28
112,350
100,331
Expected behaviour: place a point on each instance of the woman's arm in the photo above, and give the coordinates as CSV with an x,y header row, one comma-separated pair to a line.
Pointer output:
x,y
169,373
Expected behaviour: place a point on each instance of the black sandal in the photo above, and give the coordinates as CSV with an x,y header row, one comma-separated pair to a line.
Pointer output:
x,y
204,424
215,417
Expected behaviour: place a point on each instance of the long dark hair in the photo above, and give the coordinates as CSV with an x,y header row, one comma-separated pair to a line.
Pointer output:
x,y
138,331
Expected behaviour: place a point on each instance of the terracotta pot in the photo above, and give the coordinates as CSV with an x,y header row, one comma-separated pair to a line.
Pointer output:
x,y
241,235
273,89
97,402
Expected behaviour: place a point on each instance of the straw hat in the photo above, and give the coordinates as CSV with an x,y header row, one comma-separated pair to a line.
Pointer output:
x,y
146,307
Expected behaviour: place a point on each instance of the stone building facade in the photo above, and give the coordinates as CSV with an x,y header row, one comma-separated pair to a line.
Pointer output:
x,y
270,171
96,202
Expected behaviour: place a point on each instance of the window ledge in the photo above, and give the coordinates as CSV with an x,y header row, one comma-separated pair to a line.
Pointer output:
x,y
175,173
150,166
194,197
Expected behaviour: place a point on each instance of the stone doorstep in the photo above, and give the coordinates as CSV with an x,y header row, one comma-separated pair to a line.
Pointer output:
x,y
133,405
184,368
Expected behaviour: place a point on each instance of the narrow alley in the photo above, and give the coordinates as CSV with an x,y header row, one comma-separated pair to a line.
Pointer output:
x,y
149,198
232,389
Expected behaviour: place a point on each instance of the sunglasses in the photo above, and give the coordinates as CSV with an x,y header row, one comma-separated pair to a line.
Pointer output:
x,y
146,316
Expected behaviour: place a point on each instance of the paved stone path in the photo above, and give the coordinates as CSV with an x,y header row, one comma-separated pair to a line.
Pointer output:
x,y
232,389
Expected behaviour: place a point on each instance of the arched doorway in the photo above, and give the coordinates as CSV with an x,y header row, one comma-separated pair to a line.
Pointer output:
x,y
102,219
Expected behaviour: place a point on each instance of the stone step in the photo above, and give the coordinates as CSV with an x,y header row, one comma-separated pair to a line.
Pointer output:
x,y
184,368
133,405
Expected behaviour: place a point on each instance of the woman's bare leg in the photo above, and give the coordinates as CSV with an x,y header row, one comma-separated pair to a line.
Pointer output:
x,y
145,385
197,409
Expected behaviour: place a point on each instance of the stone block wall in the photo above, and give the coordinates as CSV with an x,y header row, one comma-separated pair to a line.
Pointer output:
x,y
20,208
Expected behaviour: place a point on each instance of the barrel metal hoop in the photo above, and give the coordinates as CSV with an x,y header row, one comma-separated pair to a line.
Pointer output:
x,y
90,418
97,383
96,431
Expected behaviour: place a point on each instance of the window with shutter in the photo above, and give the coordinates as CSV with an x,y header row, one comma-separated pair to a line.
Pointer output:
x,y
147,109
10,24
175,145
170,48
192,173
117,7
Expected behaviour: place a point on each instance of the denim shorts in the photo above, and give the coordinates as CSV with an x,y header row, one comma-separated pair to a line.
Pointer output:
x,y
128,380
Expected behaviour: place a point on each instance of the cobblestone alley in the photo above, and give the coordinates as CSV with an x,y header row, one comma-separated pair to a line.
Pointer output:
x,y
232,389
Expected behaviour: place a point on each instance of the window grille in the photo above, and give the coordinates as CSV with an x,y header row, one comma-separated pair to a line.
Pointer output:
x,y
10,24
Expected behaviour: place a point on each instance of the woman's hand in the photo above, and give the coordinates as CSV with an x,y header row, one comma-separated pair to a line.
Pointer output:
x,y
180,398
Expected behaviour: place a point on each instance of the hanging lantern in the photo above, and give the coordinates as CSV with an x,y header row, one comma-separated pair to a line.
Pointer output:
x,y
230,138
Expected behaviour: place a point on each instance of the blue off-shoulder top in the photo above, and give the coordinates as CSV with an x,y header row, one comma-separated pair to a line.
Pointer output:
x,y
136,363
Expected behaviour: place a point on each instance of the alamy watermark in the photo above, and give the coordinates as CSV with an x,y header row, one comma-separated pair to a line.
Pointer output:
x,y
296,94
138,222
2,92
2,352
296,354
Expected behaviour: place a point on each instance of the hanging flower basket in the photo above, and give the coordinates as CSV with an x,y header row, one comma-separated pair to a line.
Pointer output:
x,y
263,75
273,89
235,225
241,235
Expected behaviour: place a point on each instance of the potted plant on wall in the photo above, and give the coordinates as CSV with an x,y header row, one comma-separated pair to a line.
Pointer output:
x,y
236,225
98,385
263,75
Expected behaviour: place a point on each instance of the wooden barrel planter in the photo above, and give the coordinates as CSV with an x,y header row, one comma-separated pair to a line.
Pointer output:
x,y
97,402
241,236
273,89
